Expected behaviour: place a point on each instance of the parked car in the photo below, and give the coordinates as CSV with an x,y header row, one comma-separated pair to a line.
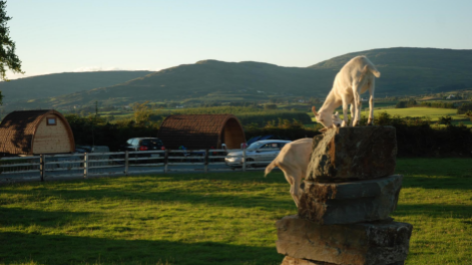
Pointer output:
x,y
96,160
144,144
260,152
92,149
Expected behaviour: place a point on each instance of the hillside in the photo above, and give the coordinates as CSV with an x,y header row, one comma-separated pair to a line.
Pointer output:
x,y
54,85
405,71
413,71
205,80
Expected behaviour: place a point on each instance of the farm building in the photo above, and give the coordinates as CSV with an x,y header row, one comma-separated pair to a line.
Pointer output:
x,y
202,131
33,132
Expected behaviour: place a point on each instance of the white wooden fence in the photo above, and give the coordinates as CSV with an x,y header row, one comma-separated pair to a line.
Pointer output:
x,y
87,165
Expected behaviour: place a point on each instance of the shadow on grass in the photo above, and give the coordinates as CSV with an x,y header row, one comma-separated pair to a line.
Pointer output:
x,y
27,217
435,210
451,167
60,249
426,182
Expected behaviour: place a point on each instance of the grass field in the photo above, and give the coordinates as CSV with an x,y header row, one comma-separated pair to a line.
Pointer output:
x,y
217,218
433,113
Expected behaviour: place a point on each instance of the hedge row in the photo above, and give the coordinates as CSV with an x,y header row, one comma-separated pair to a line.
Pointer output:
x,y
415,136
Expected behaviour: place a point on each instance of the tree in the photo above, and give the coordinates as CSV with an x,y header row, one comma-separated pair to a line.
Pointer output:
x,y
8,58
141,113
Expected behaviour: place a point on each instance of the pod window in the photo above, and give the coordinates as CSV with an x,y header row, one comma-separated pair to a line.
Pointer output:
x,y
51,121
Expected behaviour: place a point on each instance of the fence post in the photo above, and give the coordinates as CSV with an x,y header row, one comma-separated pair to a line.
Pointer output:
x,y
166,161
244,160
85,165
206,160
42,169
126,162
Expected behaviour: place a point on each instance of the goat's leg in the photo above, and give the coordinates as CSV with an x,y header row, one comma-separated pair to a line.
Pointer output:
x,y
295,190
352,114
355,102
345,113
359,111
371,102
293,186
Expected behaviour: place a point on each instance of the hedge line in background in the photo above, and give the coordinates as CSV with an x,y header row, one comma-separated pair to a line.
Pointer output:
x,y
415,136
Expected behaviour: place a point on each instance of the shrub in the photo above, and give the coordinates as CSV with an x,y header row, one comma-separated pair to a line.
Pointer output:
x,y
464,108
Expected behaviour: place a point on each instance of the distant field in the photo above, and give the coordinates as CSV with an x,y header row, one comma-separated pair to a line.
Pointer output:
x,y
216,218
433,113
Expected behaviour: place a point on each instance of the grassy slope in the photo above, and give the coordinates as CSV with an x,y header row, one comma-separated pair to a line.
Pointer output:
x,y
54,85
404,71
218,218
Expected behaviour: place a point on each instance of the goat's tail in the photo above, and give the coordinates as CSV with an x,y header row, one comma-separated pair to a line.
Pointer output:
x,y
269,168
375,72
371,68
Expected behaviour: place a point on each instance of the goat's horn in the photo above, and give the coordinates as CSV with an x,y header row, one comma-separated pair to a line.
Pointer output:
x,y
314,110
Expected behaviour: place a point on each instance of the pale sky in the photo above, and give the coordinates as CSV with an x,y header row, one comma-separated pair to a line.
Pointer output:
x,y
71,35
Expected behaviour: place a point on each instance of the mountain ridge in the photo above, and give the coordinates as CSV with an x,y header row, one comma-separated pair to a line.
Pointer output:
x,y
405,71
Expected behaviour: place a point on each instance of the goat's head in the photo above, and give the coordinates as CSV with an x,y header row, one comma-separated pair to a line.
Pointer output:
x,y
323,117
336,120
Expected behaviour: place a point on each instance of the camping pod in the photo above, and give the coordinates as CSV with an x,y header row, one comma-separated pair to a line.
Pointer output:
x,y
202,131
34,132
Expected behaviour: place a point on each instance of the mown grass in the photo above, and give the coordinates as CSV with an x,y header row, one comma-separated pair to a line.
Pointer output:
x,y
217,218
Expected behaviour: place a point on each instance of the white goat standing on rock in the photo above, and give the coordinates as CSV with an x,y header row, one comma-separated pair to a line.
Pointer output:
x,y
355,77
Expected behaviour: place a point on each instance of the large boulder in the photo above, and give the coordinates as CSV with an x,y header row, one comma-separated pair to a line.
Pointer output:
x,y
353,153
379,243
350,202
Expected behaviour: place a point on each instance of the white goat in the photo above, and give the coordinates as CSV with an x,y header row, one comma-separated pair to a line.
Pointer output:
x,y
336,120
355,77
293,160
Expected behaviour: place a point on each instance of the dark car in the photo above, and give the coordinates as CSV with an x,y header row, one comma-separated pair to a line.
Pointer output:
x,y
144,144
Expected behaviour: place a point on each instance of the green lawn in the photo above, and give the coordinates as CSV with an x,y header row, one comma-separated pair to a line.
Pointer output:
x,y
433,113
216,218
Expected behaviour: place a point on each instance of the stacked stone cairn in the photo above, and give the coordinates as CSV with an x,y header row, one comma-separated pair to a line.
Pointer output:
x,y
349,192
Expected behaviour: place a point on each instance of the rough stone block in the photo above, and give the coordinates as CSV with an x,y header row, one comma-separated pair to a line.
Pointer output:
x,y
380,243
294,261
350,202
353,153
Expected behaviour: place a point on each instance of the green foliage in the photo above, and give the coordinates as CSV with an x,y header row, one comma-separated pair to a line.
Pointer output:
x,y
8,58
270,106
406,104
469,114
418,137
447,120
464,108
246,115
94,130
142,114
216,218
438,104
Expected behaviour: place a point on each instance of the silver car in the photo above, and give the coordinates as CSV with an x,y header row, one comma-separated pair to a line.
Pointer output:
x,y
259,153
